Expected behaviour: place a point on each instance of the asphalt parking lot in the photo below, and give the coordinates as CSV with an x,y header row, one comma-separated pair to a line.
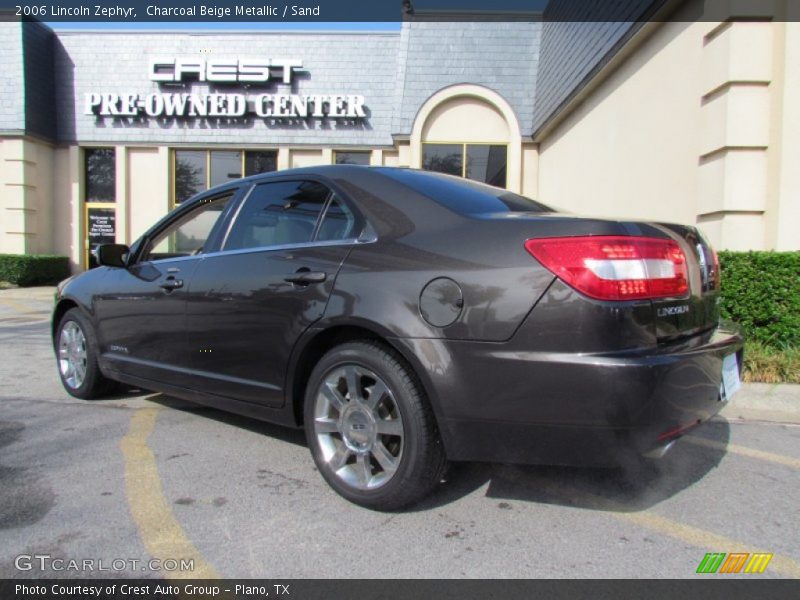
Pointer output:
x,y
140,476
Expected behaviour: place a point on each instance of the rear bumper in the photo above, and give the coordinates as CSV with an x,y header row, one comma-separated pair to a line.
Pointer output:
x,y
500,403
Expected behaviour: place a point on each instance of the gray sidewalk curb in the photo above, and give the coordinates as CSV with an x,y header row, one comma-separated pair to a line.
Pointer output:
x,y
777,403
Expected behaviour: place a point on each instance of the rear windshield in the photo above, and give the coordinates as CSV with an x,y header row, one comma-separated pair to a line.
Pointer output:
x,y
463,195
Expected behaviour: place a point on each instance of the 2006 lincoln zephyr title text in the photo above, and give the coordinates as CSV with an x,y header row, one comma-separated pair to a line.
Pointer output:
x,y
407,318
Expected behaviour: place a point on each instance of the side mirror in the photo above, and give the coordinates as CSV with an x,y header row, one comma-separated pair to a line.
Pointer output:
x,y
112,255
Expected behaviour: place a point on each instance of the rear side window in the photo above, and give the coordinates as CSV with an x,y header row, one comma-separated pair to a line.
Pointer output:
x,y
279,213
464,196
339,223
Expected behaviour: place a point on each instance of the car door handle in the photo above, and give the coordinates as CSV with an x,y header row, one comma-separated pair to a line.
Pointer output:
x,y
304,277
170,284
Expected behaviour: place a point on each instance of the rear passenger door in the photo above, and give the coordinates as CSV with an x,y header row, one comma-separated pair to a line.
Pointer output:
x,y
248,304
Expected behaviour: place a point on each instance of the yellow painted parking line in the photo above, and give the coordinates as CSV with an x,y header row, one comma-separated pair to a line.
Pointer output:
x,y
695,536
784,565
745,451
162,535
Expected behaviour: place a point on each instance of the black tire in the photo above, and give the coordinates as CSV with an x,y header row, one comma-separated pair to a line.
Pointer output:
x,y
422,461
94,384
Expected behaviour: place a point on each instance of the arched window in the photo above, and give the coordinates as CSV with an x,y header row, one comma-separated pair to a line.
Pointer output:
x,y
471,132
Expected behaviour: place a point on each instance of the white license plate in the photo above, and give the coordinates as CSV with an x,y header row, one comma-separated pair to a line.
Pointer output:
x,y
730,378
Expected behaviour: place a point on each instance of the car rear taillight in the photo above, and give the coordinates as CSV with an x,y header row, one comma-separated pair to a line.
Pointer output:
x,y
615,267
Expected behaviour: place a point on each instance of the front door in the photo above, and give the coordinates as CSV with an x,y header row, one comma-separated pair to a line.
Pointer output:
x,y
248,304
142,323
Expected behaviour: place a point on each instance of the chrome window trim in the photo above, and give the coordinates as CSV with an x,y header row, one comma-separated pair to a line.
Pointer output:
x,y
235,217
283,247
170,259
321,217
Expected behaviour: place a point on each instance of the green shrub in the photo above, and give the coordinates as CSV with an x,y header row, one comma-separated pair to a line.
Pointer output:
x,y
761,292
32,269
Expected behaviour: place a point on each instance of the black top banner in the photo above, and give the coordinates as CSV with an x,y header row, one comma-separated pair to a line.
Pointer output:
x,y
312,11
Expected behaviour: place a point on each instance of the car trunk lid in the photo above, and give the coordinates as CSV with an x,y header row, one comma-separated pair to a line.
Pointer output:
x,y
675,318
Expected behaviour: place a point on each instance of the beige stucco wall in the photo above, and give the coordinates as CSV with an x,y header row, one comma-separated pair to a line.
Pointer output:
x,y
530,170
67,240
400,157
309,158
148,191
699,124
631,149
782,218
446,123
26,195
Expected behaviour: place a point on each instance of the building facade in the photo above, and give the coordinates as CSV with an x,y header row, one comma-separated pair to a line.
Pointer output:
x,y
690,120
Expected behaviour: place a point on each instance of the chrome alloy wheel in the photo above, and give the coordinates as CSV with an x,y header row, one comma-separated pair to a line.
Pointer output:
x,y
358,427
72,355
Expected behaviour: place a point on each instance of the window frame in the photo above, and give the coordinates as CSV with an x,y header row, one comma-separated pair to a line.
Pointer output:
x,y
464,156
343,151
173,163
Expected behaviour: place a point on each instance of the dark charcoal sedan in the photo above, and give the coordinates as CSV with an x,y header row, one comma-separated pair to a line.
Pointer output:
x,y
407,318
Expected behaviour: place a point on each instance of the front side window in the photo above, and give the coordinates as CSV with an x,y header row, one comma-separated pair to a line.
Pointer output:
x,y
279,213
188,235
486,163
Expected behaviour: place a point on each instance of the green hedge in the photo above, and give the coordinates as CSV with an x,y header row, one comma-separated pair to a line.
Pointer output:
x,y
761,292
32,269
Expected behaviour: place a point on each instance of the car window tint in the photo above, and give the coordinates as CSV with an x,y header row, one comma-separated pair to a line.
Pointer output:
x,y
188,235
338,222
464,196
278,213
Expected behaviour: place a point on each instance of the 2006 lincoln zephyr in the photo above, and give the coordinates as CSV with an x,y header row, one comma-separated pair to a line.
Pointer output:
x,y
406,318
